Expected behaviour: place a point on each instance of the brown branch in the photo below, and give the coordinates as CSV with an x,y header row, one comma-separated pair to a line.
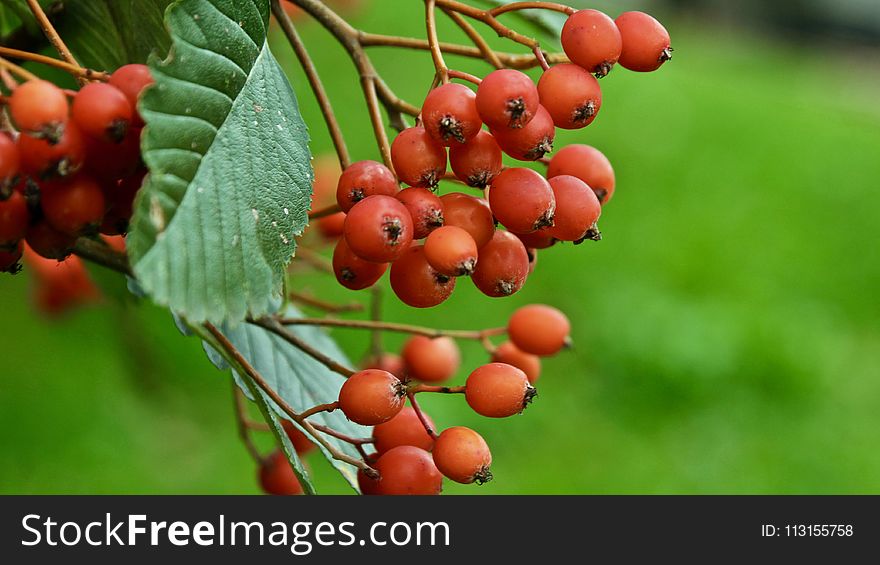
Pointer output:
x,y
75,70
23,74
329,407
52,35
329,307
436,55
392,327
340,436
513,6
488,18
461,75
485,50
274,326
99,252
415,389
243,424
324,212
422,417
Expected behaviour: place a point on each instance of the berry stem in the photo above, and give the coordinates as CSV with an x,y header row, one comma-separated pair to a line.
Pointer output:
x,y
488,18
392,327
329,307
488,54
461,75
422,417
52,35
98,252
75,70
340,436
329,407
16,70
244,425
275,326
513,6
376,316
430,22
324,212
415,389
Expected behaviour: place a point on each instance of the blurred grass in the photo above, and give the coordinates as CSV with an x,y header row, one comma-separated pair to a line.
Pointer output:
x,y
726,328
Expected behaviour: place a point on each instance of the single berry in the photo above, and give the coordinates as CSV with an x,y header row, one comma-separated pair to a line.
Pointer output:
x,y
43,159
119,199
462,455
571,95
532,141
60,285
476,162
48,242
332,226
507,99
430,360
529,364
425,208
588,164
498,390
14,217
404,429
378,229
112,161
522,200
387,362
645,42
371,396
39,108
10,163
10,259
449,114
577,209
469,213
416,283
541,239
132,80
451,251
539,329
591,39
408,470
351,271
362,179
300,441
276,476
101,110
73,206
503,266
417,158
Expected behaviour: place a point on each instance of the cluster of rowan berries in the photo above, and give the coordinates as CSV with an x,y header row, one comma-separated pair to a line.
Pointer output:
x,y
72,165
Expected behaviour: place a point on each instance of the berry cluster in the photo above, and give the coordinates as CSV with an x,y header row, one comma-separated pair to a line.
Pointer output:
x,y
73,167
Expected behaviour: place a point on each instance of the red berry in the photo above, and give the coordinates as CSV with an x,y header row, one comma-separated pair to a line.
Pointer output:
x,y
332,226
416,283
351,271
451,251
476,162
507,99
60,286
408,470
469,213
431,360
571,95
387,362
112,161
403,429
132,80
530,142
522,200
449,114
73,206
540,239
538,329
10,163
13,219
498,390
591,40
301,442
363,179
577,210
9,259
276,476
503,266
529,364
462,455
588,164
119,199
417,158
102,111
40,108
425,208
378,229
48,242
371,396
645,42
43,159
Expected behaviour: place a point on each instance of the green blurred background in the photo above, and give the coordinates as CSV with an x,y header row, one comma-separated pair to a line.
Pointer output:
x,y
726,328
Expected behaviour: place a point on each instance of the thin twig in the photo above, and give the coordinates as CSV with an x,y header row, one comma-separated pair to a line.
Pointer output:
x,y
98,252
479,42
487,17
422,417
392,327
513,6
52,35
368,84
314,259
22,73
461,75
340,436
329,307
415,389
242,422
276,328
75,70
324,212
436,55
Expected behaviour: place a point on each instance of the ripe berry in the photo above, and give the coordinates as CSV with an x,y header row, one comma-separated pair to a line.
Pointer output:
x,y
387,362
588,164
530,142
469,213
101,110
112,161
416,283
132,80
645,42
538,329
571,95
522,200
351,271
451,251
73,206
462,455
449,114
425,208
476,162
591,40
417,158
60,286
332,226
43,159
503,266
378,229
403,429
431,360
9,164
276,476
362,179
48,242
577,210
9,259
507,99
371,396
119,199
540,239
39,108
301,442
13,219
407,470
498,390
529,364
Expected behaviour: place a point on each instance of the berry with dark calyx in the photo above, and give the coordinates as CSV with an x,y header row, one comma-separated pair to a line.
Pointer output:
x,y
48,242
404,429
112,161
408,470
588,164
10,163
73,206
522,200
469,213
507,98
431,360
300,441
363,179
378,229
132,80
451,251
503,266
62,158
351,271
539,329
591,39
417,158
645,42
119,199
371,396
532,141
368,485
14,217
40,109
577,209
449,114
462,455
571,95
529,364
541,239
498,390
425,208
387,362
476,162
416,283
102,111
10,259
276,476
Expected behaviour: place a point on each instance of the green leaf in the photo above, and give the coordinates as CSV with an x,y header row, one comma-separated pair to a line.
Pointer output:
x,y
230,171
